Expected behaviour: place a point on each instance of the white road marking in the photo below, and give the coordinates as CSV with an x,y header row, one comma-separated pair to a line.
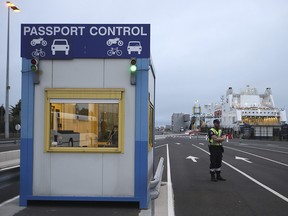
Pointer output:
x,y
257,182
251,178
8,168
194,159
258,156
170,189
8,201
244,159
283,152
169,183
160,146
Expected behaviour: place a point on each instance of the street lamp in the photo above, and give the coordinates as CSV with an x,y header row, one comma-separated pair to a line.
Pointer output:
x,y
15,9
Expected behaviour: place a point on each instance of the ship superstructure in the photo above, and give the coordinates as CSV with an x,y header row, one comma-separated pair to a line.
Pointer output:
x,y
247,107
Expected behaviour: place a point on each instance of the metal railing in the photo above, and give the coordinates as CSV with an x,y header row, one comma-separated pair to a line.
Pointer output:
x,y
155,184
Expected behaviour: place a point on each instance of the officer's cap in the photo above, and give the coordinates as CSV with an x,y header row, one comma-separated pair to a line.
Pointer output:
x,y
216,121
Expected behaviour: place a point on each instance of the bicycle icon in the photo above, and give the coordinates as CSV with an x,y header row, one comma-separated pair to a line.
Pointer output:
x,y
38,52
114,51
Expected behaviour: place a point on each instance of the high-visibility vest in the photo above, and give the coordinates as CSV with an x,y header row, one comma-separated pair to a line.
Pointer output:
x,y
218,134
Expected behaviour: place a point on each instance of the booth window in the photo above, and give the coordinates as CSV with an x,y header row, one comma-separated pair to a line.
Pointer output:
x,y
84,120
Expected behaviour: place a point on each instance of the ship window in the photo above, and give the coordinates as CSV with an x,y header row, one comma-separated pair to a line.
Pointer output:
x,y
84,120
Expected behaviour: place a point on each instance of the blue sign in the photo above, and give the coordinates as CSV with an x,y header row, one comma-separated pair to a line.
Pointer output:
x,y
60,41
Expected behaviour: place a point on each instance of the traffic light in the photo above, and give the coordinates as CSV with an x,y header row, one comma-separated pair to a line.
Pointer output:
x,y
133,69
34,64
133,66
35,69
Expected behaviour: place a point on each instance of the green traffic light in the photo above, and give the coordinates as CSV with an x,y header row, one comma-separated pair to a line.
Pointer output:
x,y
133,68
34,68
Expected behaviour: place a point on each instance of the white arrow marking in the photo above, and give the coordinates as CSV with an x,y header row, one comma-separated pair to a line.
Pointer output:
x,y
244,159
192,158
201,143
178,143
243,144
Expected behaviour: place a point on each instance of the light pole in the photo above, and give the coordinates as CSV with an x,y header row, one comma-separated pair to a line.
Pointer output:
x,y
15,9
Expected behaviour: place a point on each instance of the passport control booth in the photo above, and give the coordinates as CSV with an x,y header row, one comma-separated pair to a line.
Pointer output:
x,y
88,100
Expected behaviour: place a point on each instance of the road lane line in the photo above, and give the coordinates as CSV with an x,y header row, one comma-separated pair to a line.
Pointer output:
x,y
169,185
160,146
8,201
251,178
8,168
283,152
257,156
257,182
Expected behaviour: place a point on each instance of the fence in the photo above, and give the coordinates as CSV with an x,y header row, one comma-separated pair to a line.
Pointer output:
x,y
262,132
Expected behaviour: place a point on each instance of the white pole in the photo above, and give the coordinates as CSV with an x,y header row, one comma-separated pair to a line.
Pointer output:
x,y
7,81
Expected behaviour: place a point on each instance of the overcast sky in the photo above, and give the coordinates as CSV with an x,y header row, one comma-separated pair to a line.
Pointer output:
x,y
199,47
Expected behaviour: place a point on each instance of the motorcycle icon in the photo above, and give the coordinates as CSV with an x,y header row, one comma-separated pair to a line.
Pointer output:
x,y
114,51
38,52
40,40
114,41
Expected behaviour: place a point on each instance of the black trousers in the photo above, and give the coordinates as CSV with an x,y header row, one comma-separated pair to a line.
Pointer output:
x,y
216,155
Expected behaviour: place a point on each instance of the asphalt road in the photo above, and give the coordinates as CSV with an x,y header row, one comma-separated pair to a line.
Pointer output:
x,y
256,173
9,184
9,146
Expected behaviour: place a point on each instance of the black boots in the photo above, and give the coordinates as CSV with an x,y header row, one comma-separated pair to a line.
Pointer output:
x,y
216,178
219,177
213,178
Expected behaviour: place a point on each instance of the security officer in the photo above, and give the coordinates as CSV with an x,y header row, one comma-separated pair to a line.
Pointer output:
x,y
215,138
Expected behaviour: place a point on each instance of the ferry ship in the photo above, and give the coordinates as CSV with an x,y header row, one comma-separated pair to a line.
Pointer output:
x,y
247,107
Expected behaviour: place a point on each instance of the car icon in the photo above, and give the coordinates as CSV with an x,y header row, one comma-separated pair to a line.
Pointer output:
x,y
60,45
134,46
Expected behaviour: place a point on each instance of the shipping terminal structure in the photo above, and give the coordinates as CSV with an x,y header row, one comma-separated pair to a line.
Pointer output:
x,y
248,109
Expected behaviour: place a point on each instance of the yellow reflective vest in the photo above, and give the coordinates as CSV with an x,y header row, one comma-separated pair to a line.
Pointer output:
x,y
218,134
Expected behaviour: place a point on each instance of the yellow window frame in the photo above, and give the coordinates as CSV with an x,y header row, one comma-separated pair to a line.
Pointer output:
x,y
150,126
80,93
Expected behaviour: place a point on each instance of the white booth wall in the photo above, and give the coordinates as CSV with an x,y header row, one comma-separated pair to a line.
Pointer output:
x,y
84,174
